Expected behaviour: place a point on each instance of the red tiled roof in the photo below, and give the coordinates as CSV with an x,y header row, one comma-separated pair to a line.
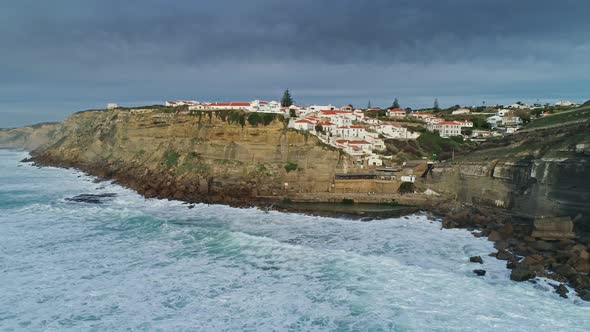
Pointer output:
x,y
303,121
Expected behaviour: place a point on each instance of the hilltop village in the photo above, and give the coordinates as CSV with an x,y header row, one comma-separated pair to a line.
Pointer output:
x,y
363,133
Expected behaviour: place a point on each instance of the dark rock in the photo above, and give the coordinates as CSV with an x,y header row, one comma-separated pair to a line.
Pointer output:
x,y
533,262
565,270
495,236
561,290
543,246
480,273
476,259
504,255
521,274
585,296
192,206
512,263
90,198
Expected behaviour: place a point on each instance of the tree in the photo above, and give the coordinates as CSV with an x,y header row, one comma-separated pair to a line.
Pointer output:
x,y
286,101
436,104
319,128
369,105
395,103
292,113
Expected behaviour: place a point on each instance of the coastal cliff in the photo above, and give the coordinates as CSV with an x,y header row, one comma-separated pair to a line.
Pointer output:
x,y
29,137
532,174
223,157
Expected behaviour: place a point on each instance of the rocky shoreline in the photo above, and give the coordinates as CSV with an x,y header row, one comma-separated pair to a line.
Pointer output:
x,y
566,261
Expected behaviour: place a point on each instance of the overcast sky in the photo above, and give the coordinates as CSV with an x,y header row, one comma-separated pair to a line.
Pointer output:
x,y
62,56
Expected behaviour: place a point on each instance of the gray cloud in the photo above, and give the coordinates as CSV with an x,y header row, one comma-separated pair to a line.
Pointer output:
x,y
85,53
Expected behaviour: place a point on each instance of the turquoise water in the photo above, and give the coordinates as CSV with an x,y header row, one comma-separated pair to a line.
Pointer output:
x,y
132,264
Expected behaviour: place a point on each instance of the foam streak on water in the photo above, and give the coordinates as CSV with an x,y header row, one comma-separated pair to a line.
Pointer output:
x,y
137,264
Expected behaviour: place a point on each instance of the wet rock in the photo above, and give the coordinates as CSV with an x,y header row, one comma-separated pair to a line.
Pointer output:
x,y
480,273
476,259
91,198
512,263
504,255
521,274
561,290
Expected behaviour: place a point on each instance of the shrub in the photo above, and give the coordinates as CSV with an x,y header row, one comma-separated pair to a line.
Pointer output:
x,y
406,188
171,158
289,167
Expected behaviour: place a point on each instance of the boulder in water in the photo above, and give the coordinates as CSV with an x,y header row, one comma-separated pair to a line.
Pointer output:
x,y
91,198
480,273
476,259
521,274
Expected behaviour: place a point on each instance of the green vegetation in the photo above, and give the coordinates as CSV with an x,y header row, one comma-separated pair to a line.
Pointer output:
x,y
406,188
194,163
171,158
577,115
395,103
290,167
254,119
347,201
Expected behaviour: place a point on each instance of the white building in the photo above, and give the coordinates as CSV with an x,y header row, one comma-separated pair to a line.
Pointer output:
x,y
265,107
354,147
234,105
502,112
565,103
446,129
302,124
177,103
396,113
494,121
350,131
111,106
511,121
461,111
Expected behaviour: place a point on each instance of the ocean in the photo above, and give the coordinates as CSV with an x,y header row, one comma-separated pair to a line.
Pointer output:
x,y
125,263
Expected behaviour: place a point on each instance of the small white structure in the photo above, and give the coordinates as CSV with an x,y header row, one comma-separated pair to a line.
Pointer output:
x,y
502,112
408,178
566,103
461,111
396,113
494,121
111,106
374,160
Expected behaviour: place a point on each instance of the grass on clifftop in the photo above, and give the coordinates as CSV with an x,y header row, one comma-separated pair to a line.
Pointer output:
x,y
580,114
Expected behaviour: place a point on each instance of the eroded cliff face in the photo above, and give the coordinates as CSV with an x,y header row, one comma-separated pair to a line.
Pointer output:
x,y
28,137
194,156
542,173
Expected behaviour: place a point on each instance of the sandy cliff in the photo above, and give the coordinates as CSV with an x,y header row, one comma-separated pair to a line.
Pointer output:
x,y
195,156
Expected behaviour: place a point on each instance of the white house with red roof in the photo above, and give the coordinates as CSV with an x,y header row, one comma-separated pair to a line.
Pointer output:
x,y
265,106
302,124
354,147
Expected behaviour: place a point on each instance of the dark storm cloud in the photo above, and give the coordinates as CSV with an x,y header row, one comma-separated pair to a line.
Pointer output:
x,y
74,51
